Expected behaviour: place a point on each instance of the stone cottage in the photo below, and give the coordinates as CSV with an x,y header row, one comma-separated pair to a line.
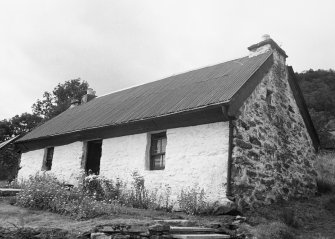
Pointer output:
x,y
238,130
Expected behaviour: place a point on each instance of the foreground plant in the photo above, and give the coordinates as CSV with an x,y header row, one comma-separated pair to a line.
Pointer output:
x,y
43,191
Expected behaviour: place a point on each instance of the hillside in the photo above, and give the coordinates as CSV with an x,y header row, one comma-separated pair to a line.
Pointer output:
x,y
318,88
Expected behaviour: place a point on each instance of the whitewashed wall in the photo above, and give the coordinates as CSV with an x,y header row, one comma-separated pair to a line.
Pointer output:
x,y
195,156
31,162
66,162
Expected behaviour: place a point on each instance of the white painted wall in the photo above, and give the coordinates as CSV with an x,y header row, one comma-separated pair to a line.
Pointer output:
x,y
195,156
65,163
31,163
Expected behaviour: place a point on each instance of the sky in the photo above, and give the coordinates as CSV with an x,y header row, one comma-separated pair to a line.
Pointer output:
x,y
117,44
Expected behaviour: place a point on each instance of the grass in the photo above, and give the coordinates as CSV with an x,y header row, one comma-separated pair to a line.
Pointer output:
x,y
304,218
325,167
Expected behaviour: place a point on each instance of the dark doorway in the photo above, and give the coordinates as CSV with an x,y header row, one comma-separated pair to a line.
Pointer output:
x,y
93,157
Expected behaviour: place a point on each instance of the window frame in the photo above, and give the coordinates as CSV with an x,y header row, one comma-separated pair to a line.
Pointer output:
x,y
154,137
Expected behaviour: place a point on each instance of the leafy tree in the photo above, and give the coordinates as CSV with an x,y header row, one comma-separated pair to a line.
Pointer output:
x,y
60,98
5,130
18,125
51,105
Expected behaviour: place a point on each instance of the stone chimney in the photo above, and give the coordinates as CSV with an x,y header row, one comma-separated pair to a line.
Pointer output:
x,y
89,96
74,103
265,45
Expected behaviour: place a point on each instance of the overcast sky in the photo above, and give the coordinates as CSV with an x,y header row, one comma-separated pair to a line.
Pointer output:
x,y
117,44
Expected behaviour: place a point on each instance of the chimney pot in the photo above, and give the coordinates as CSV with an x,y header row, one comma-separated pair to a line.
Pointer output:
x,y
90,91
90,95
266,37
74,103
265,45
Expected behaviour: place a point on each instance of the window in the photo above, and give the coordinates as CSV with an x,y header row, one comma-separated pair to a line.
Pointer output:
x,y
157,151
47,161
269,96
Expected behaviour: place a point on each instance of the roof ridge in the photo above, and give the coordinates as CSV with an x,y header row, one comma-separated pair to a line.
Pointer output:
x,y
176,74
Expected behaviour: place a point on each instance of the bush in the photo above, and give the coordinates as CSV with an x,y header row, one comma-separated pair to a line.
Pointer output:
x,y
136,195
102,188
193,201
45,192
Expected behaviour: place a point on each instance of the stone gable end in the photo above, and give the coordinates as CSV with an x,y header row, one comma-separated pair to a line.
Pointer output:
x,y
273,153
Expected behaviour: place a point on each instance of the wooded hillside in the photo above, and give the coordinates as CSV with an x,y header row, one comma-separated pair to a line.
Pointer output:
x,y
318,88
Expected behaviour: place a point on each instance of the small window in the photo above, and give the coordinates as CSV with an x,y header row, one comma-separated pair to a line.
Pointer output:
x,y
269,96
157,151
48,155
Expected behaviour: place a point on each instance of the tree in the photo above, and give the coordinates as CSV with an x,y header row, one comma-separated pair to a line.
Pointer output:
x,y
59,100
51,105
17,125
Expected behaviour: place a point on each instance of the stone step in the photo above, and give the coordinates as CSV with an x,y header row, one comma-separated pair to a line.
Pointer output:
x,y
190,230
202,236
9,191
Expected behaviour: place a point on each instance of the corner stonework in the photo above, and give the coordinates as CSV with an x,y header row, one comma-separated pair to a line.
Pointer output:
x,y
273,154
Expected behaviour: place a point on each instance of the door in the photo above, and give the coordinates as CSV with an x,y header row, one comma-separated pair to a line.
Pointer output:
x,y
93,157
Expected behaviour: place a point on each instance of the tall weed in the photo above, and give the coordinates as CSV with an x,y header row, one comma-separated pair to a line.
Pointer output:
x,y
193,201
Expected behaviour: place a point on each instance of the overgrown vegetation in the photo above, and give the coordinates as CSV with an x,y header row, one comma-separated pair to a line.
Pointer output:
x,y
137,196
95,197
47,193
193,201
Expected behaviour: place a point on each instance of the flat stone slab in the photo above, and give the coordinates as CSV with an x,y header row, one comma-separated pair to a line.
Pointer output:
x,y
202,236
191,229
173,220
9,191
176,222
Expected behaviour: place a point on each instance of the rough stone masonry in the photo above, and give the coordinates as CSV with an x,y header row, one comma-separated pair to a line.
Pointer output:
x,y
273,153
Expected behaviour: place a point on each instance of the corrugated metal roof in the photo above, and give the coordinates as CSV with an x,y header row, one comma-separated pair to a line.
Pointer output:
x,y
187,91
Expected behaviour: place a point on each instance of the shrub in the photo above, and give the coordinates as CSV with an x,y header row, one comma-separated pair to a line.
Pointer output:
x,y
193,201
138,196
44,191
102,188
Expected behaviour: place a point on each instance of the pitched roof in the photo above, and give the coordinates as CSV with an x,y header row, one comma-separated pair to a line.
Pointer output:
x,y
196,89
